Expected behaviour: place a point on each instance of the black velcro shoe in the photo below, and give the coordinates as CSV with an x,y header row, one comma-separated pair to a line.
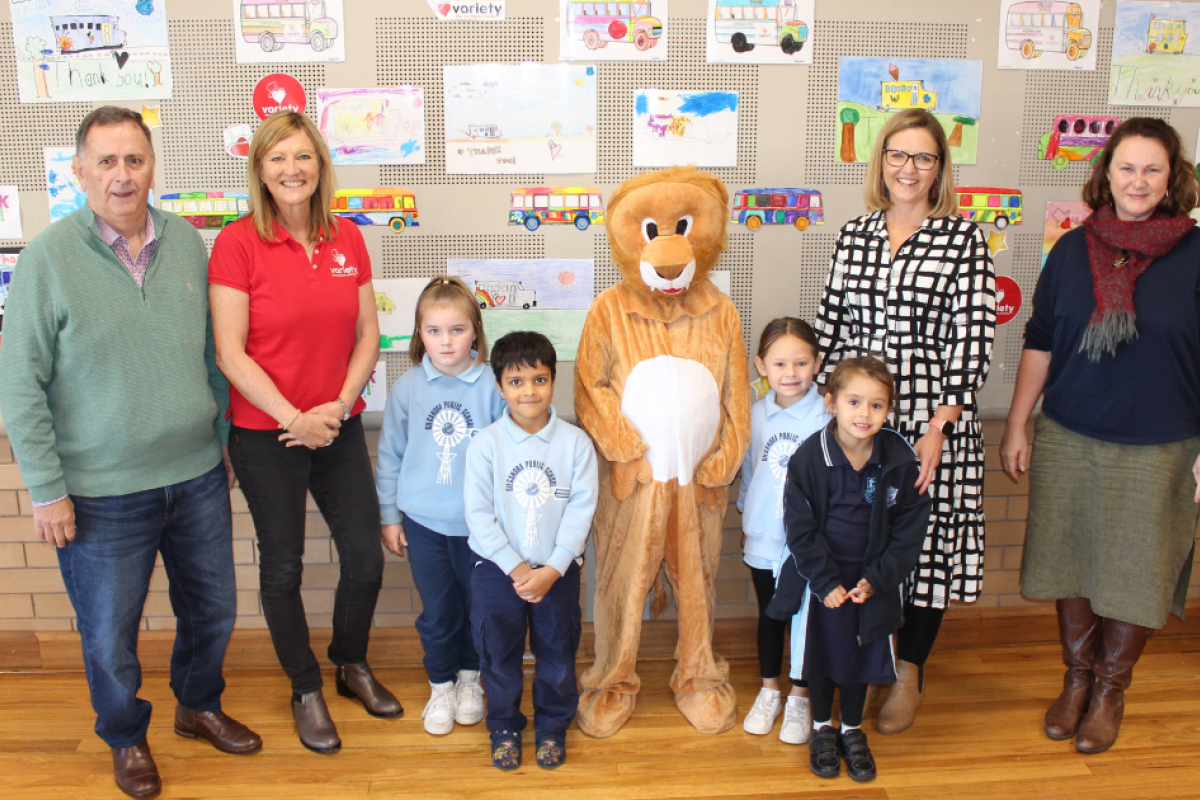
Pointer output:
x,y
860,764
823,753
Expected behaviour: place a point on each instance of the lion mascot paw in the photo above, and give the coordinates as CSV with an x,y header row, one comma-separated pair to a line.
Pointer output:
x,y
661,386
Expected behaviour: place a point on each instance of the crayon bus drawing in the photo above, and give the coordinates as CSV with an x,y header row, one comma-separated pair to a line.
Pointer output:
x,y
81,33
756,207
499,294
483,131
273,24
1040,27
565,205
986,204
1166,35
396,208
742,24
597,24
207,209
1076,138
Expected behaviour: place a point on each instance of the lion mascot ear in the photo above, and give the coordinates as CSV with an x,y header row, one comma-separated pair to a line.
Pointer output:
x,y
666,229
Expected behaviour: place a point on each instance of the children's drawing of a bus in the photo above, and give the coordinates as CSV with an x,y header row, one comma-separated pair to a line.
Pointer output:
x,y
1166,35
1076,138
597,24
1041,27
206,209
986,204
501,294
757,207
273,24
483,131
567,205
742,24
79,33
898,95
396,208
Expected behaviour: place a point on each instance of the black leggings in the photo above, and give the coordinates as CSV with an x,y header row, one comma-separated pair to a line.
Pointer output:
x,y
854,697
915,638
770,631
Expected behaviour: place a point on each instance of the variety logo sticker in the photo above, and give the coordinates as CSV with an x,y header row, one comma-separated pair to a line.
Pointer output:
x,y
1008,299
487,10
278,92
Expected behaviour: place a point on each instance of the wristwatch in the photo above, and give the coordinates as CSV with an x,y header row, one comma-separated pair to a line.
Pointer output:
x,y
944,425
345,410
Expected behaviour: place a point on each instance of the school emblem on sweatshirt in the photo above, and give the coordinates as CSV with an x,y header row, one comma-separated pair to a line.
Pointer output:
x,y
449,423
777,452
531,483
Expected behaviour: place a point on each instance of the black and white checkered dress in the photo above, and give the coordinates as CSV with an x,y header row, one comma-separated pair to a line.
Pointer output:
x,y
931,313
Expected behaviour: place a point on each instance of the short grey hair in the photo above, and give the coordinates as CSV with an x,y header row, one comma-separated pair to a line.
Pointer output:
x,y
110,115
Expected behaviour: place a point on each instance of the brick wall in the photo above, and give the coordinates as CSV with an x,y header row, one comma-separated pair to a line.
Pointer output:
x,y
32,595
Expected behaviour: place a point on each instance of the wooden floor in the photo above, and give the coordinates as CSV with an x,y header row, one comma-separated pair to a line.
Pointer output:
x,y
978,736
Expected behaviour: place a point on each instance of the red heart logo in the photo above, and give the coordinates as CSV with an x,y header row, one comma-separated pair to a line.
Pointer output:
x,y
444,9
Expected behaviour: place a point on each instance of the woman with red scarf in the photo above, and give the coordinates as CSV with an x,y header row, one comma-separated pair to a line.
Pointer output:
x,y
1114,347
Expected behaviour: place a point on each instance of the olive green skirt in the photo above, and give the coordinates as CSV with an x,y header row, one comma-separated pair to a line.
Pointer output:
x,y
1115,523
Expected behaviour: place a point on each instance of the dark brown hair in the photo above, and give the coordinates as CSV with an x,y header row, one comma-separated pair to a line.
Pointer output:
x,y
447,291
109,115
787,326
1183,190
871,367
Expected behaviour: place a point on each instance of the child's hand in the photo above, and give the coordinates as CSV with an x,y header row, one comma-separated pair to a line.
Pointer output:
x,y
860,593
835,598
532,587
394,538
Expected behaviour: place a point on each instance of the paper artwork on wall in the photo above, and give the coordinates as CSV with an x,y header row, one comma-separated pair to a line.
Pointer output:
x,y
152,117
396,304
8,262
1060,218
750,32
271,32
672,128
374,393
869,89
520,118
278,92
1153,62
514,284
1035,34
10,213
630,30
92,51
562,327
64,190
468,10
533,206
721,278
373,126
1075,138
237,141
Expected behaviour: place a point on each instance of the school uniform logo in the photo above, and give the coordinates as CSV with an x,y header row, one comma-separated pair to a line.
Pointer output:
x,y
449,422
869,492
777,452
532,483
893,493
342,270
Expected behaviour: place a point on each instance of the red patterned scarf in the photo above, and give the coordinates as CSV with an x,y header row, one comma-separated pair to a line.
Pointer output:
x,y
1120,252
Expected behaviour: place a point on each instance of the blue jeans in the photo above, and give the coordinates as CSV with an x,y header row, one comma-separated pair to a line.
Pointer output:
x,y
500,619
107,574
441,568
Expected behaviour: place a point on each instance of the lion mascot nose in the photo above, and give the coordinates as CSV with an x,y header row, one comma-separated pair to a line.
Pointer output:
x,y
668,255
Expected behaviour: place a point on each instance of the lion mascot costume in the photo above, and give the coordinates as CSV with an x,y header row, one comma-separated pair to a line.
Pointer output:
x,y
661,386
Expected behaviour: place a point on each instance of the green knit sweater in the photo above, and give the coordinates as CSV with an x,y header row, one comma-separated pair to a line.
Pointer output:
x,y
105,388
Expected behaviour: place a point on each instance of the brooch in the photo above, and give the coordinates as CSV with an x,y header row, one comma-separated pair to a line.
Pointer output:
x,y
1122,261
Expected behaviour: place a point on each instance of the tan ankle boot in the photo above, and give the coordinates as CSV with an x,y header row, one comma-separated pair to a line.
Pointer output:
x,y
899,711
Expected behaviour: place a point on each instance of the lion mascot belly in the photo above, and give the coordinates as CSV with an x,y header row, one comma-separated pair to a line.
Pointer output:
x,y
661,386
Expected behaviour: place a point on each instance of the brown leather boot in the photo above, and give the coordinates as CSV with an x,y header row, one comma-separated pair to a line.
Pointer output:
x,y
357,681
134,770
221,730
314,726
1077,628
899,711
1121,645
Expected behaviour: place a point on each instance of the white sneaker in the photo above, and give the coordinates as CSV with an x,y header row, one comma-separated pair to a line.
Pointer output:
x,y
439,711
797,720
468,694
763,713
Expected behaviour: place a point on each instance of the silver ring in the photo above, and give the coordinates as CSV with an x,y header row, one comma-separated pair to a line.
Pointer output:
x,y
328,443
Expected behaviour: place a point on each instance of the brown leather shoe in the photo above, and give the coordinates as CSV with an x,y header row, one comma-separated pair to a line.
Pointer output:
x,y
1077,628
314,726
224,732
134,770
899,711
357,681
1121,646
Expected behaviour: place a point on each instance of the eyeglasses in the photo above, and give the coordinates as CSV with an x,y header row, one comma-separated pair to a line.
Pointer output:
x,y
898,158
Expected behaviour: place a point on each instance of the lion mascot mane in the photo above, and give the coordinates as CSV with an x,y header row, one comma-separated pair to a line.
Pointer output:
x,y
661,386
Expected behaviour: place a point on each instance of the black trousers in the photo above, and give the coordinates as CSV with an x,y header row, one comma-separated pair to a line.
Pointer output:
x,y
916,636
275,480
854,696
770,631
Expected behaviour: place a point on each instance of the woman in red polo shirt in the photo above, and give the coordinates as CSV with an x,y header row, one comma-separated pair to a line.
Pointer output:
x,y
294,321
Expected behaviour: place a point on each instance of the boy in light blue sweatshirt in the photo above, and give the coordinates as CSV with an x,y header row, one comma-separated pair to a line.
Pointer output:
x,y
530,492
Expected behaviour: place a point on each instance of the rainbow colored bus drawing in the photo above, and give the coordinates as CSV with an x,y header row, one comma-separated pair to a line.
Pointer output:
x,y
988,204
597,24
558,205
206,209
396,208
1076,138
756,207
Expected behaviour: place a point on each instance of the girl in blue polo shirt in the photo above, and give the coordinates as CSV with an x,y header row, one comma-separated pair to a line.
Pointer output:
x,y
788,357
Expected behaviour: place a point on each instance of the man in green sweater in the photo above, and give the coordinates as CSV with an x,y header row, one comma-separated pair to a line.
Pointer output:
x,y
115,410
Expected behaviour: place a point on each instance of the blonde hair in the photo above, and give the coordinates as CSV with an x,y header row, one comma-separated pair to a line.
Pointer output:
x,y
274,130
945,204
446,291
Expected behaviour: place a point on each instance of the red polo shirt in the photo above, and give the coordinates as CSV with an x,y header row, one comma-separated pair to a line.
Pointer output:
x,y
302,312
